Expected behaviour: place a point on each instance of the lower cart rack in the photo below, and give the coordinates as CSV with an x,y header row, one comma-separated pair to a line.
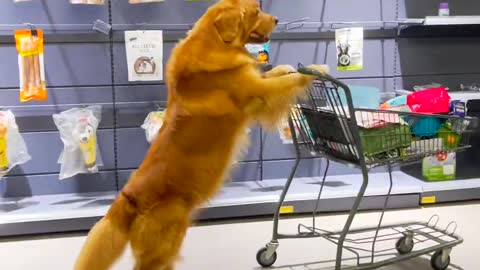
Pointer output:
x,y
327,124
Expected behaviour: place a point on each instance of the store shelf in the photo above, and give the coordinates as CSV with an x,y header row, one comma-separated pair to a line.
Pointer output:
x,y
72,212
452,20
78,212
451,191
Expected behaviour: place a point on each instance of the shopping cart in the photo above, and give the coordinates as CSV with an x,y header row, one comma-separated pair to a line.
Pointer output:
x,y
327,124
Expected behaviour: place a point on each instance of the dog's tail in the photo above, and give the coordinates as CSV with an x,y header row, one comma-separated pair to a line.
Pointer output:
x,y
108,238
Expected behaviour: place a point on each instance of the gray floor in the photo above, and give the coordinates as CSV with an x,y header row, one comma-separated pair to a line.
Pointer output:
x,y
233,245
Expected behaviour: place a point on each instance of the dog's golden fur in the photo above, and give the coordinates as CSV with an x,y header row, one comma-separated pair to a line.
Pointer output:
x,y
215,92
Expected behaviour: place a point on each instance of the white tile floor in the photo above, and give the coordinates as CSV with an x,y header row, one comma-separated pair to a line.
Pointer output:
x,y
233,245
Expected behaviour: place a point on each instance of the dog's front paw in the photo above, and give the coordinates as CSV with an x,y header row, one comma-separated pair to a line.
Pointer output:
x,y
281,70
320,68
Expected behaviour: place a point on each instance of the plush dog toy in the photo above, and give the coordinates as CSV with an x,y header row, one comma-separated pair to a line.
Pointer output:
x,y
86,138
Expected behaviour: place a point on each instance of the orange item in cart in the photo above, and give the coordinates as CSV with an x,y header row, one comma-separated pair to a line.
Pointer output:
x,y
29,45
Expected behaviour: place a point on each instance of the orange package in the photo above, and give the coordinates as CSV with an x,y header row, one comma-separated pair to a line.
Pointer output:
x,y
30,61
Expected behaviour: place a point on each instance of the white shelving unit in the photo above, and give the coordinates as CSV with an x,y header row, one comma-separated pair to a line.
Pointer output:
x,y
451,20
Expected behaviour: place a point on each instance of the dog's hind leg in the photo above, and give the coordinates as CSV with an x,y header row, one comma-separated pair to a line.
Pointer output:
x,y
108,238
157,235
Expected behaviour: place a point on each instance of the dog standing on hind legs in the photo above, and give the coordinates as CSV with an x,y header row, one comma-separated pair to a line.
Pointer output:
x,y
215,91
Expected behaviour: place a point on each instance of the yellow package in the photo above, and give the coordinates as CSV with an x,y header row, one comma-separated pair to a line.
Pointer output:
x,y
29,45
13,150
3,148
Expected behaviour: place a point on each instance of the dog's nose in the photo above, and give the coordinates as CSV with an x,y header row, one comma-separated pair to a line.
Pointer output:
x,y
276,20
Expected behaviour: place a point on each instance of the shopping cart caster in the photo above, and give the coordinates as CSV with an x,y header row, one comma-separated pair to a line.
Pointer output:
x,y
265,259
440,260
405,244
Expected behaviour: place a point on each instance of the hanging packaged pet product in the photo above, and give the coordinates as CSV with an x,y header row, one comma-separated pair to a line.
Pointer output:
x,y
152,124
349,42
29,45
88,2
144,55
143,1
13,150
78,131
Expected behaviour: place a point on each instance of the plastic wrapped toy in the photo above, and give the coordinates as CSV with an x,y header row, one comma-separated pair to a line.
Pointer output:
x,y
88,2
152,124
13,150
78,131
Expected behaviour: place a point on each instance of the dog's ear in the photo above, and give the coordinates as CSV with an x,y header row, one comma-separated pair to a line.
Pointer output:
x,y
228,24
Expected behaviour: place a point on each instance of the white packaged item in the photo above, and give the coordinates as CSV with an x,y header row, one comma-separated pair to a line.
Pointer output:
x,y
78,132
13,150
143,1
152,124
144,55
349,42
88,2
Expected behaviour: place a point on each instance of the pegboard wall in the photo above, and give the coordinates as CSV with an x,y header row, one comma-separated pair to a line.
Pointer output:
x,y
84,67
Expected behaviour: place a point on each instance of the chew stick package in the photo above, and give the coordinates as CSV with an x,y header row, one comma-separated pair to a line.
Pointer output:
x,y
13,150
78,132
29,45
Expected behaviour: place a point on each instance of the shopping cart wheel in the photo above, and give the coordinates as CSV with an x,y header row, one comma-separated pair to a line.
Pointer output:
x,y
263,260
438,262
404,245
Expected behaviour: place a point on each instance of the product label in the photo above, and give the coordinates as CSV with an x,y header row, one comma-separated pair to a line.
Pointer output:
x,y
287,209
349,42
144,55
428,200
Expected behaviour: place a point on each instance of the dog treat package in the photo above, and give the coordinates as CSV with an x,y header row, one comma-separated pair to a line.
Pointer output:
x,y
78,132
144,55
29,45
143,1
13,150
88,2
152,124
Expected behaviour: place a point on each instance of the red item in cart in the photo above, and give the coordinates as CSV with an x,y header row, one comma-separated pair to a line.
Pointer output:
x,y
433,100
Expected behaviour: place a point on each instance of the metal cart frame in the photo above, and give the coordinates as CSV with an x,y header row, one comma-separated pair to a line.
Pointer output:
x,y
406,235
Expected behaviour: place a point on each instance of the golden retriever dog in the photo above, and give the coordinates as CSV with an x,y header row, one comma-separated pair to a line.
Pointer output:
x,y
215,91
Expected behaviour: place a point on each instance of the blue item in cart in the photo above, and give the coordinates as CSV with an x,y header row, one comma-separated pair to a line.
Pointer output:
x,y
458,108
362,96
424,126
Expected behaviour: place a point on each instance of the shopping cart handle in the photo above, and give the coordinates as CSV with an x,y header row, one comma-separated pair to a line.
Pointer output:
x,y
309,71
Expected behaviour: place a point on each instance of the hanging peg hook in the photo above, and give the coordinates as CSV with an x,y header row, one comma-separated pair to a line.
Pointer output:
x,y
33,29
141,26
157,106
289,27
